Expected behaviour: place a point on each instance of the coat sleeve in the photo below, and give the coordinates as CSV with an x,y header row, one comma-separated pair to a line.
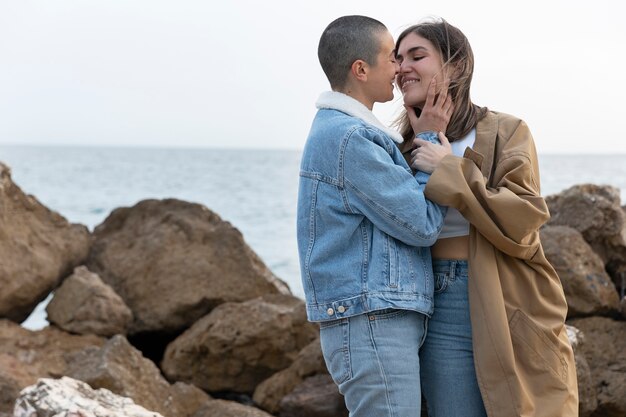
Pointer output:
x,y
509,210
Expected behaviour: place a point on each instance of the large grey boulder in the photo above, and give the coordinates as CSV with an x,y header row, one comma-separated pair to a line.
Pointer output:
x,y
38,248
238,345
71,398
173,262
84,304
588,288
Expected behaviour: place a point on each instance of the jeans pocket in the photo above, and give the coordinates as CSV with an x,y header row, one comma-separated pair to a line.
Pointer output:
x,y
335,342
386,313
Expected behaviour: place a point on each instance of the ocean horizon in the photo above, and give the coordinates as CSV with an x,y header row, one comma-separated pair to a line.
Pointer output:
x,y
253,189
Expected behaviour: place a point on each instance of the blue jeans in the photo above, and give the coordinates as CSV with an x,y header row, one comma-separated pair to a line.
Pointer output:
x,y
448,375
374,360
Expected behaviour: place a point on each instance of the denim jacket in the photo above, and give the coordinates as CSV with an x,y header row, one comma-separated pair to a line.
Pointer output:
x,y
364,225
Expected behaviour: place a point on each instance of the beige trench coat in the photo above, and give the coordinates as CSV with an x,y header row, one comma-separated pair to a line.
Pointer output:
x,y
524,361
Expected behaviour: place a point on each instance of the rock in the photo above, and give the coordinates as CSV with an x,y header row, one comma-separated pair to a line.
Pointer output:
x,y
238,345
270,392
38,247
575,336
587,398
12,380
173,262
595,212
85,305
317,396
603,348
122,369
591,209
622,306
189,398
588,288
26,356
71,398
223,408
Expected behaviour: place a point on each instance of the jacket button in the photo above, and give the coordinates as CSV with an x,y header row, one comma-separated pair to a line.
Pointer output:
x,y
330,311
341,309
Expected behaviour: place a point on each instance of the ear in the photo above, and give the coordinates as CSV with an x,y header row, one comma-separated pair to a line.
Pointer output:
x,y
359,70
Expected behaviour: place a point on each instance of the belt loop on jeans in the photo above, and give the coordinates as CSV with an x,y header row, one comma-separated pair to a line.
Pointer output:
x,y
453,268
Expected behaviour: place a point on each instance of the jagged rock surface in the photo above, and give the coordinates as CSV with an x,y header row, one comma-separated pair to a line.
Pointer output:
x,y
68,397
173,262
38,248
238,345
86,305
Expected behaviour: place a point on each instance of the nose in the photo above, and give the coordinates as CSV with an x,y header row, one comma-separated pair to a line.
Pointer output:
x,y
402,68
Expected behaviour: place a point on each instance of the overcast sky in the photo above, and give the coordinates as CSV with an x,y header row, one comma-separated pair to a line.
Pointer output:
x,y
210,73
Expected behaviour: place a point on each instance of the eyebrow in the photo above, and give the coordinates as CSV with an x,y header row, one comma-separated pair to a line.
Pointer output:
x,y
411,50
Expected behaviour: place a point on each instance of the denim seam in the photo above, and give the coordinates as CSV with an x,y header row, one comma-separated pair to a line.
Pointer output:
x,y
382,370
342,154
394,264
346,351
366,256
319,177
311,241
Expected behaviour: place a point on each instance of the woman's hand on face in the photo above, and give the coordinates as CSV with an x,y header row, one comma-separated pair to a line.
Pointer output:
x,y
426,156
437,110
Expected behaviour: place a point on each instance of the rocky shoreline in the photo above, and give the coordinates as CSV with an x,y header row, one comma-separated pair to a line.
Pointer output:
x,y
164,310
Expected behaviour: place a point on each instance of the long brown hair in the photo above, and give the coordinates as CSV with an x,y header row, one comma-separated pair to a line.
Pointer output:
x,y
456,53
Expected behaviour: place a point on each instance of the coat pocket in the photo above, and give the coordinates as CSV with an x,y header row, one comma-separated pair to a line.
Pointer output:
x,y
537,356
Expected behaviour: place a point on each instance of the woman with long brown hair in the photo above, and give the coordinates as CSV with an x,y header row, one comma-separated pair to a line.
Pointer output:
x,y
496,343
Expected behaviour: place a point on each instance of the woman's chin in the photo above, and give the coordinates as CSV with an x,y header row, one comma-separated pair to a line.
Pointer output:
x,y
411,102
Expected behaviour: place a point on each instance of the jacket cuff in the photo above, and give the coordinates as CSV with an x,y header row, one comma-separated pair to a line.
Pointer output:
x,y
429,136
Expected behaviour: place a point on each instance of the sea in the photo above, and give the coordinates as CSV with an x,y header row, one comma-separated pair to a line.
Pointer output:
x,y
253,189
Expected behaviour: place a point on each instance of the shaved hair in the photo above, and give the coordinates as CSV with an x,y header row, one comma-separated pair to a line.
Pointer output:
x,y
345,40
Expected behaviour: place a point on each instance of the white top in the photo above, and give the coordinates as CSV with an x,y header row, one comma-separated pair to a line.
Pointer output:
x,y
454,224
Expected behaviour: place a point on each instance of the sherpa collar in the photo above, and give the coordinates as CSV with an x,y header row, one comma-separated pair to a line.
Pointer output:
x,y
346,104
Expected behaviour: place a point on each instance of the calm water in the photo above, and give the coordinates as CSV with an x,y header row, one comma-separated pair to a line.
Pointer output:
x,y
255,190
